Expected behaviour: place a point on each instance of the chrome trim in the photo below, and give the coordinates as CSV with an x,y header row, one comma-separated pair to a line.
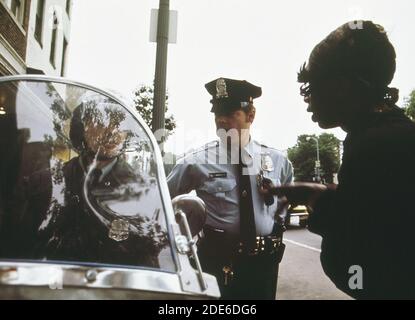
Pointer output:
x,y
192,246
187,274
18,277
182,244
184,205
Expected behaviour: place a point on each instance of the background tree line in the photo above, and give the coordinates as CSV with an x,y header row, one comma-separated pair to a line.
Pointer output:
x,y
304,156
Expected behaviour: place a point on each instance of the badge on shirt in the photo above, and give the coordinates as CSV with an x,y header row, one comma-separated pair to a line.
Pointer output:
x,y
266,162
214,175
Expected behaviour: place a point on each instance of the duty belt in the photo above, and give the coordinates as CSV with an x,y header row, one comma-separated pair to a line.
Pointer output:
x,y
263,245
226,249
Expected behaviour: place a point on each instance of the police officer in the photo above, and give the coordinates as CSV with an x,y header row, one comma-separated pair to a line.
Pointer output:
x,y
242,240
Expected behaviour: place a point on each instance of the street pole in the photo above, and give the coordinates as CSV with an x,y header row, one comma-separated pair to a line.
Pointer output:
x,y
317,163
159,106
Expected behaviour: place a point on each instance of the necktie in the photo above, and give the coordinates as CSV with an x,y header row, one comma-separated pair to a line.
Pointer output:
x,y
246,208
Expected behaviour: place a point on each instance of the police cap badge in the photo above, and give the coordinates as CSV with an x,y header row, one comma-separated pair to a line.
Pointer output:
x,y
229,95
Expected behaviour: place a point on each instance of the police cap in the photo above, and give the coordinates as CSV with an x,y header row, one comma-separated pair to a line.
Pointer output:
x,y
229,95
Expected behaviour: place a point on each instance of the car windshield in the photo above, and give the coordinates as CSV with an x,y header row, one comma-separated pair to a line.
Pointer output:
x,y
79,180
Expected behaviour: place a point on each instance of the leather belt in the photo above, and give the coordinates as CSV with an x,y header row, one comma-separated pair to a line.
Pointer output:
x,y
217,239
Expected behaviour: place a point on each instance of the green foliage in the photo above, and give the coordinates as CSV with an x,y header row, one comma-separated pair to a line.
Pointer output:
x,y
143,101
409,105
304,155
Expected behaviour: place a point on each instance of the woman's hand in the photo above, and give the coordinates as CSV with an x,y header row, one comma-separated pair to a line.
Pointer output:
x,y
298,193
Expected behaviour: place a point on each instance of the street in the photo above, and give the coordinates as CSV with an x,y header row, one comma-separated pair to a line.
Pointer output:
x,y
301,276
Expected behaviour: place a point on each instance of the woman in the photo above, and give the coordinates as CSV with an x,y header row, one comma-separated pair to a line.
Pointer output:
x,y
366,222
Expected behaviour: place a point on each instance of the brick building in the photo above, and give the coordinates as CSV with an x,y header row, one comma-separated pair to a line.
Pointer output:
x,y
34,36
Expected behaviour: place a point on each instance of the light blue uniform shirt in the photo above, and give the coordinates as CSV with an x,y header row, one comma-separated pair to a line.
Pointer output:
x,y
215,181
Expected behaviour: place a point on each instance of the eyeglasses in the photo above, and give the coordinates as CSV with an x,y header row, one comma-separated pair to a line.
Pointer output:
x,y
305,90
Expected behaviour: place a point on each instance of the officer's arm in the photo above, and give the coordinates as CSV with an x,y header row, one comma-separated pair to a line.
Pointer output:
x,y
181,180
287,175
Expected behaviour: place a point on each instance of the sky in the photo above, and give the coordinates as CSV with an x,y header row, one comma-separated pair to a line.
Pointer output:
x,y
262,41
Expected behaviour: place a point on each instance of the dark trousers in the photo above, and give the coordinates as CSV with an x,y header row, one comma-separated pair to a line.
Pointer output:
x,y
254,277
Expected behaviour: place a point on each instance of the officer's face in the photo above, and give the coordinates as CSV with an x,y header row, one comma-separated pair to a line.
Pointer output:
x,y
236,120
105,141
234,126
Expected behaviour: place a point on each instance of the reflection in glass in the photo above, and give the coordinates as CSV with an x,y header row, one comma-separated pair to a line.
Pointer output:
x,y
81,180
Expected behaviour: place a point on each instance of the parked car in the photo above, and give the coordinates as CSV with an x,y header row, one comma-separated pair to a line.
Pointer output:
x,y
297,216
85,210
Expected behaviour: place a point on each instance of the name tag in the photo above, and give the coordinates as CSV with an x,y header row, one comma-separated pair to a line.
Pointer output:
x,y
214,175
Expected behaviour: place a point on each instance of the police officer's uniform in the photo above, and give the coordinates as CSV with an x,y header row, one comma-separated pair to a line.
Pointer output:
x,y
245,267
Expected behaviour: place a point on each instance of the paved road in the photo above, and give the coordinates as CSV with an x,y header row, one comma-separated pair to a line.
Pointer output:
x,y
301,275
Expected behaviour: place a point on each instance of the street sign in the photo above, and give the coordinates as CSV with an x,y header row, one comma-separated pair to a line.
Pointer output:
x,y
317,164
173,18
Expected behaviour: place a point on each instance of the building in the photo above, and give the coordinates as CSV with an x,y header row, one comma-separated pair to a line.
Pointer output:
x,y
34,36
14,18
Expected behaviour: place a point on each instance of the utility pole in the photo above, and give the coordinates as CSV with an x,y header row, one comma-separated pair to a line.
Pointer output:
x,y
317,163
159,107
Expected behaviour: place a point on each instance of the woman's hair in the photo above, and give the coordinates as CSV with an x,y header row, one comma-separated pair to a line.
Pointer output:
x,y
360,51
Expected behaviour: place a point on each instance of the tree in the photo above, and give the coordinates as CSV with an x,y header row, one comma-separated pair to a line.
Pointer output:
x,y
304,155
143,101
409,105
